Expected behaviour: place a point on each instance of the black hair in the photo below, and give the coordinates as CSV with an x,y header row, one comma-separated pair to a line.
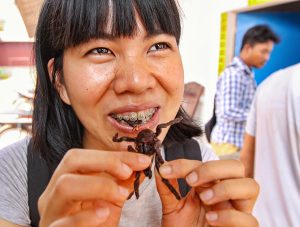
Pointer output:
x,y
259,34
67,23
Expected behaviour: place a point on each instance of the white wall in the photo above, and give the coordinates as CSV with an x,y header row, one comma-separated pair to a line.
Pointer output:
x,y
14,27
200,43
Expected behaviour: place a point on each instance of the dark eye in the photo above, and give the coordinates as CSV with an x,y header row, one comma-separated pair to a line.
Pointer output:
x,y
101,50
159,46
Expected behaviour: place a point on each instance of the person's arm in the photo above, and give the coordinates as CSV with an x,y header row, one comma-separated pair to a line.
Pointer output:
x,y
231,92
248,154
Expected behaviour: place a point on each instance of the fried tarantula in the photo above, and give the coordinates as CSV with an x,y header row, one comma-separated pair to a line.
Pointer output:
x,y
147,143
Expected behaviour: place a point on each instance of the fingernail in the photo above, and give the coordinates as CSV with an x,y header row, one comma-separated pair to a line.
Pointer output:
x,y
165,170
144,159
102,212
211,216
123,191
192,178
126,169
207,195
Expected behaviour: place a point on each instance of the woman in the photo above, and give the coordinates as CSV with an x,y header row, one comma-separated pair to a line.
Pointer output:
x,y
100,63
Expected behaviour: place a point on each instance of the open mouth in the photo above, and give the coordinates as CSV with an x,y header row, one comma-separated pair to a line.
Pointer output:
x,y
134,119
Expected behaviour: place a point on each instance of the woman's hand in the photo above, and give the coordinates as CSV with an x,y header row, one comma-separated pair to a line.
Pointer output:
x,y
220,194
89,188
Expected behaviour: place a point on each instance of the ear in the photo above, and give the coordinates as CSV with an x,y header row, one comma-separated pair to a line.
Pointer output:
x,y
248,47
61,88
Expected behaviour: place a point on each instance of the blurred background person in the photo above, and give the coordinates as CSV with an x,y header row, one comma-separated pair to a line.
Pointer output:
x,y
271,151
235,90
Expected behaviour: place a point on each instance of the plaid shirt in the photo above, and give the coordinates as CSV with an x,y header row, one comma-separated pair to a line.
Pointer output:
x,y
235,91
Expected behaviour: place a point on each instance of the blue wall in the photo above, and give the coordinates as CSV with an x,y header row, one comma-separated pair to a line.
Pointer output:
x,y
286,26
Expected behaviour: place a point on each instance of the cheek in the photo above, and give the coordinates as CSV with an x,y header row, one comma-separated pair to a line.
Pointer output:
x,y
258,56
172,78
178,86
172,82
261,59
86,85
176,82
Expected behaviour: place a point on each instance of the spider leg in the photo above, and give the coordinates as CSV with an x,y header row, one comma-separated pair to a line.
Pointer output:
x,y
158,162
148,171
130,195
137,176
121,139
164,125
131,149
137,184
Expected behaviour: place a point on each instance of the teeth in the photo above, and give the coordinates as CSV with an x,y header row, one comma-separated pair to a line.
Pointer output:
x,y
143,116
125,117
133,116
119,117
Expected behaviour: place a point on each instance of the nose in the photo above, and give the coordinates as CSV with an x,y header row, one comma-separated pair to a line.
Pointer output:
x,y
134,76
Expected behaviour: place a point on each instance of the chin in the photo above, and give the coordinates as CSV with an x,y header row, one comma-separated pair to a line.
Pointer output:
x,y
262,65
258,66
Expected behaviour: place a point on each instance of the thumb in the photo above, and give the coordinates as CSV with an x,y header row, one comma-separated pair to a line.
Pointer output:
x,y
169,201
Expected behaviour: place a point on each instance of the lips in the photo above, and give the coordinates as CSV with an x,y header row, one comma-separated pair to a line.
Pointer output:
x,y
129,118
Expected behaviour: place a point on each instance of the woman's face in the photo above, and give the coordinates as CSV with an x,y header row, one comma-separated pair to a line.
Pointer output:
x,y
108,81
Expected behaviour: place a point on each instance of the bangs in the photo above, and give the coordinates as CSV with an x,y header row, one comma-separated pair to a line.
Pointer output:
x,y
72,22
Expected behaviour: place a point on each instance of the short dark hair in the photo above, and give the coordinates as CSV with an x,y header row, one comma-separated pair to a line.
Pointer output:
x,y
67,23
259,34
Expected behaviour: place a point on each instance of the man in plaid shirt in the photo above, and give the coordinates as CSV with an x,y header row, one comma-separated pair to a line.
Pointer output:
x,y
235,90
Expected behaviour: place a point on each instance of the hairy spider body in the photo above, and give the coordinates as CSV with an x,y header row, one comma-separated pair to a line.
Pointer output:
x,y
147,143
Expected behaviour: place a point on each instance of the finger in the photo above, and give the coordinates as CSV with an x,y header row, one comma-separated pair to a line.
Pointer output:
x,y
213,171
178,168
197,173
169,201
92,217
232,218
73,188
118,164
129,184
241,192
225,205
